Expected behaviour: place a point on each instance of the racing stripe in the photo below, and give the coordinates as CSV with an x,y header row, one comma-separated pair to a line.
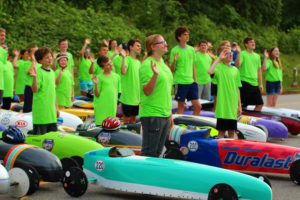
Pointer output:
x,y
180,135
8,153
180,130
14,154
174,131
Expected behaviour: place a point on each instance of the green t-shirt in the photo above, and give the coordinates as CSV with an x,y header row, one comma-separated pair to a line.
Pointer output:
x,y
70,62
130,82
84,67
184,65
202,64
159,103
250,63
110,53
44,105
8,75
28,78
228,81
98,70
105,105
118,64
64,88
273,74
21,75
3,59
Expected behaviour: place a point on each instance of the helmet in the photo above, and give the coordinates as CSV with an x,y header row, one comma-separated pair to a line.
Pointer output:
x,y
13,135
111,124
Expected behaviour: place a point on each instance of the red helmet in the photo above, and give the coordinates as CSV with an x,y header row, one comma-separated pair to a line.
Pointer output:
x,y
111,124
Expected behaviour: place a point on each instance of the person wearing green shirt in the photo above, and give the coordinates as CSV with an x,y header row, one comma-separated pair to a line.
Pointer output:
x,y
8,76
44,108
106,88
63,46
3,58
130,96
85,78
95,69
64,82
28,94
156,99
182,61
202,63
227,78
21,65
113,52
272,66
117,62
249,65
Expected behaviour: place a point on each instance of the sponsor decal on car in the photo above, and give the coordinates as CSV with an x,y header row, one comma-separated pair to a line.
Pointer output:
x,y
247,120
21,123
5,121
99,165
104,138
60,121
48,144
193,145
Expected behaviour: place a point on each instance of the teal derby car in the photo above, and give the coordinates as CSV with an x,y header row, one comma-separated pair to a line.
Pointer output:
x,y
119,169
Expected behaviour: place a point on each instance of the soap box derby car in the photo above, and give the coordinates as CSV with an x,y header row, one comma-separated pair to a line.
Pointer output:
x,y
279,111
120,169
273,128
244,131
236,154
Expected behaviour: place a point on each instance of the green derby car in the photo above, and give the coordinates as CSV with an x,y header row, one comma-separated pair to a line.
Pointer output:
x,y
120,169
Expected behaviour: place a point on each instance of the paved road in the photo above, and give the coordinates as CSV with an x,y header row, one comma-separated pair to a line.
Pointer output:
x,y
283,188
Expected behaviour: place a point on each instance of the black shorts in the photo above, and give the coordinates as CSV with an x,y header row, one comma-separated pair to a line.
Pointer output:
x,y
6,103
129,110
214,89
226,124
250,95
40,129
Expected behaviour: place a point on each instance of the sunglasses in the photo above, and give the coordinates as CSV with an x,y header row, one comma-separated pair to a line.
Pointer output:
x,y
87,52
229,54
162,42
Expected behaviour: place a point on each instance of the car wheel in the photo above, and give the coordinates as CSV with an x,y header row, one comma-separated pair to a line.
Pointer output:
x,y
262,178
75,182
79,160
222,191
295,172
19,182
68,163
240,135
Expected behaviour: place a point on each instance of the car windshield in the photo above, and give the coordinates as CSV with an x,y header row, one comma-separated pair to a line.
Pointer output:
x,y
120,152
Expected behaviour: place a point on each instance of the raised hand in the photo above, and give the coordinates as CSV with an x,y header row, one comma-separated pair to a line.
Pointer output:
x,y
105,42
123,53
266,53
54,54
223,53
95,80
16,52
32,71
238,48
87,41
196,48
92,59
176,56
154,68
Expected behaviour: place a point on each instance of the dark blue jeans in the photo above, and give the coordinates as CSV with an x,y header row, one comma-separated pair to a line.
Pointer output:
x,y
155,132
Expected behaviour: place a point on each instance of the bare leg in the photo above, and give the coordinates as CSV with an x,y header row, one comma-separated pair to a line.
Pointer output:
x,y
126,120
132,119
215,103
83,93
231,133
269,100
275,100
197,107
258,107
221,134
180,108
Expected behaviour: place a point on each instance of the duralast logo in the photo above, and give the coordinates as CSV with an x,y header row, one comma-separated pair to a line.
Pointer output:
x,y
233,157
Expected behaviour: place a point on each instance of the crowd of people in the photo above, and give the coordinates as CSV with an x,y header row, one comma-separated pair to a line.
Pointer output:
x,y
45,82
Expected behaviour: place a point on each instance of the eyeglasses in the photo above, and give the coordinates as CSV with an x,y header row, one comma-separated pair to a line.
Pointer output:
x,y
87,51
229,54
162,42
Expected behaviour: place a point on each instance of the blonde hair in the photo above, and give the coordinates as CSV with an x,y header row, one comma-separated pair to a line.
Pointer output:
x,y
2,30
225,44
273,58
150,40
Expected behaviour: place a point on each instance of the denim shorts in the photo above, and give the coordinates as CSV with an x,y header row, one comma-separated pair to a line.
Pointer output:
x,y
85,85
273,87
186,91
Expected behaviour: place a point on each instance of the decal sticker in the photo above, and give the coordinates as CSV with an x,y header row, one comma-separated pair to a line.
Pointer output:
x,y
193,145
7,115
91,118
294,115
60,121
48,144
297,156
99,165
276,117
247,120
21,124
5,121
184,150
104,138
62,134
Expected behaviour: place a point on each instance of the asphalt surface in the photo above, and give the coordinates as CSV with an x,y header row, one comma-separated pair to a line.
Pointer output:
x,y
282,187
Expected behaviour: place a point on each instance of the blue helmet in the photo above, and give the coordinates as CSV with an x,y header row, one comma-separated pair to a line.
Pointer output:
x,y
13,135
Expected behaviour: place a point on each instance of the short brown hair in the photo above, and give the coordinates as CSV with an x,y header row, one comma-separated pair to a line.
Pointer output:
x,y
101,46
41,52
247,39
203,41
179,31
2,30
132,42
62,40
102,60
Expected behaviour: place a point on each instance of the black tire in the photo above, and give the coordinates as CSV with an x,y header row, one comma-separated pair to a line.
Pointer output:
x,y
33,175
295,172
222,191
79,160
68,163
75,182
263,178
294,133
173,151
240,135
